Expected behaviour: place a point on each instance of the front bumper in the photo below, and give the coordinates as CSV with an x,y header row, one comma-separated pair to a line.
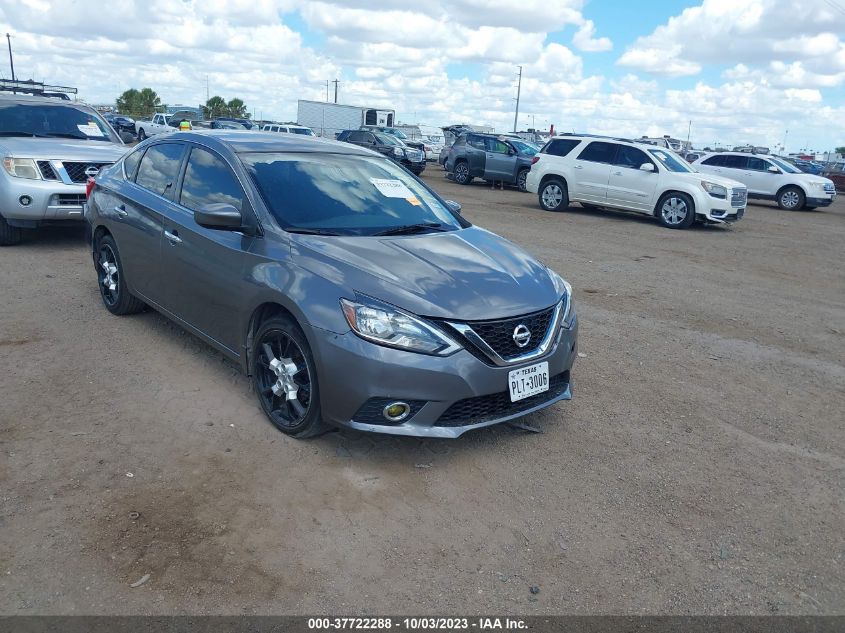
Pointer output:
x,y
50,200
416,168
825,201
352,372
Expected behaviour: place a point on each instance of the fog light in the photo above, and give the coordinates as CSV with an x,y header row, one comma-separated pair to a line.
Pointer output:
x,y
396,411
25,201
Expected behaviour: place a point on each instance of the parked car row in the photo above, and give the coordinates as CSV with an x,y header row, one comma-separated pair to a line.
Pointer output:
x,y
491,157
387,144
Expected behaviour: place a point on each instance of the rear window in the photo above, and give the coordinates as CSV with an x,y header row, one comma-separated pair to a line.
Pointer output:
x,y
598,152
714,161
159,168
346,195
559,146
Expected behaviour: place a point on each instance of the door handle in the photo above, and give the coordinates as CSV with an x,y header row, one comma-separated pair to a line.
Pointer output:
x,y
121,211
173,238
578,167
617,173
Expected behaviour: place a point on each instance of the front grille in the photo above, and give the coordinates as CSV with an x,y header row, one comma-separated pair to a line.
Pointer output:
x,y
414,155
76,171
499,405
47,171
371,411
739,197
71,199
499,334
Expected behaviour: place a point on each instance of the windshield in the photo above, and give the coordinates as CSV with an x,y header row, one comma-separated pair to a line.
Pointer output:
x,y
670,160
525,149
60,121
387,139
302,130
786,167
343,195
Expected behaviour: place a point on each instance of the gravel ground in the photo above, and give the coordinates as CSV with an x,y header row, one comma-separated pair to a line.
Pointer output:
x,y
698,469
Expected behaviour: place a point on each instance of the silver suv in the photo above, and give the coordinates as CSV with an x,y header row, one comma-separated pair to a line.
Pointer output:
x,y
49,148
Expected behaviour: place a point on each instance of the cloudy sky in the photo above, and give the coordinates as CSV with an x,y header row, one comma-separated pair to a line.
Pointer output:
x,y
740,70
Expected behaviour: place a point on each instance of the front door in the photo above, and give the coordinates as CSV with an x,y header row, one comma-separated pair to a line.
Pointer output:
x,y
759,179
500,160
629,186
202,267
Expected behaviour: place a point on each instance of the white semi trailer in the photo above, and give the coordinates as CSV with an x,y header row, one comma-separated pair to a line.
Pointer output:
x,y
329,119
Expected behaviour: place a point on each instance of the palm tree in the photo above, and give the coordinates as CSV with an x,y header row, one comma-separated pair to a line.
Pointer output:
x,y
215,107
148,101
127,103
237,109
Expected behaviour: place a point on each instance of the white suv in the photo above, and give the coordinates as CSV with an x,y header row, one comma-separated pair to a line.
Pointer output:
x,y
770,178
621,174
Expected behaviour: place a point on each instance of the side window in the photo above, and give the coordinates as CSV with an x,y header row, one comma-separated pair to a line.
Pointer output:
x,y
758,164
130,164
475,141
355,137
369,138
159,168
598,152
496,146
460,141
714,161
208,179
283,129
627,156
559,147
736,162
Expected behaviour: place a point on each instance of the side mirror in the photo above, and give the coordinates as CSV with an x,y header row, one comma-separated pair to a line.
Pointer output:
x,y
646,167
454,207
773,170
219,215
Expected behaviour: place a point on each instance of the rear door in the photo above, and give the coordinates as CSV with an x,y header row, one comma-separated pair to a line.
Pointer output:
x,y
500,160
628,185
591,171
476,152
203,267
138,215
735,167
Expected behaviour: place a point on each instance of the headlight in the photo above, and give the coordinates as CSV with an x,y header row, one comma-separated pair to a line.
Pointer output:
x,y
820,185
397,152
383,324
22,168
565,290
717,191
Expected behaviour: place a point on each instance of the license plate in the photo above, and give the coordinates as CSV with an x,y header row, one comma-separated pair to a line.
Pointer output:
x,y
528,381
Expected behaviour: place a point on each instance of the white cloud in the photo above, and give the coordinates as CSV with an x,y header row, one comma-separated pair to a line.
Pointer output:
x,y
585,40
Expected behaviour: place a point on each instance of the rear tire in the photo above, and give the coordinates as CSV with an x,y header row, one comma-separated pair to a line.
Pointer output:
x,y
9,235
521,178
461,173
675,210
791,198
285,378
141,135
113,291
553,195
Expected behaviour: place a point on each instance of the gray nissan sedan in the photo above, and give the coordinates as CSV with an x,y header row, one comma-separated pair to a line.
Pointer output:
x,y
349,291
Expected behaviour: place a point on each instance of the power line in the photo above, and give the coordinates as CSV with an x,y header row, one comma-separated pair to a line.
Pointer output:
x,y
835,5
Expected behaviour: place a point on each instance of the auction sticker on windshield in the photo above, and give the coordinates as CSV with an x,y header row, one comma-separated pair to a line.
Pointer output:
x,y
392,188
91,129
528,381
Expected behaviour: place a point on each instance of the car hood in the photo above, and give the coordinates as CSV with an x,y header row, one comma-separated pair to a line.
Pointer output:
x,y
61,149
730,183
810,178
470,274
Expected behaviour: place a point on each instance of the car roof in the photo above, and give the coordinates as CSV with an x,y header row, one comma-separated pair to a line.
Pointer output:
x,y
7,96
732,153
241,141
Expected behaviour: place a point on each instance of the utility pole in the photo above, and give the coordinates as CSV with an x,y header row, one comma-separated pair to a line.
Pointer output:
x,y
335,82
518,90
689,129
207,96
327,90
11,61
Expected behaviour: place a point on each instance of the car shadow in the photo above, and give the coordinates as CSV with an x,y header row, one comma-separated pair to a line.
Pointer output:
x,y
632,216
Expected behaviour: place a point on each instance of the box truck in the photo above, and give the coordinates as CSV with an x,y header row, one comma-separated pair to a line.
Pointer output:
x,y
329,119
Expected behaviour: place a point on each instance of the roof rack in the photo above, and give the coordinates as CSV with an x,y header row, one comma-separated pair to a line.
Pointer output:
x,y
36,88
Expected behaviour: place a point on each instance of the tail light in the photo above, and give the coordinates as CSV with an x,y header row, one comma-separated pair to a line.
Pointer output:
x,y
535,159
89,187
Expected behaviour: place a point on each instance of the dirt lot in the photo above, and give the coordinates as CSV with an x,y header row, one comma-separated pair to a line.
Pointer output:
x,y
698,469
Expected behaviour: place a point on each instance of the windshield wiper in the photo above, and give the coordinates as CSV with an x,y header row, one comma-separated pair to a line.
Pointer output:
x,y
409,229
23,134
307,231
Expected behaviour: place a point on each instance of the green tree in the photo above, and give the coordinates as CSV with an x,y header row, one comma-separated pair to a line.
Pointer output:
x,y
236,108
214,107
127,103
840,150
148,101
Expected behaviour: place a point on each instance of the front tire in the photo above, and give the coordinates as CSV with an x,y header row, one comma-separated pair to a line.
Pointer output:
x,y
553,195
461,173
9,235
791,199
676,211
113,291
285,378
